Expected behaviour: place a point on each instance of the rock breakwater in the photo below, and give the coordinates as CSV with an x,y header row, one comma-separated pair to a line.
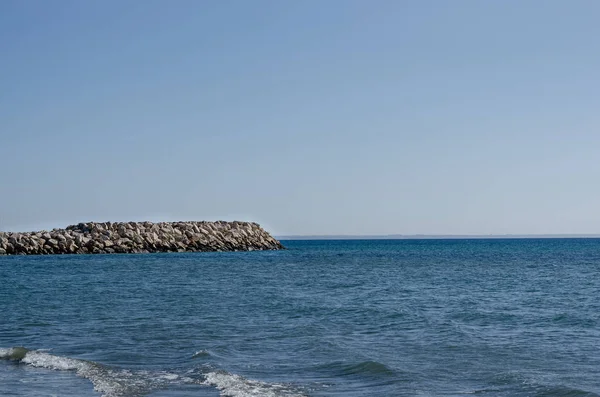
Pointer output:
x,y
140,237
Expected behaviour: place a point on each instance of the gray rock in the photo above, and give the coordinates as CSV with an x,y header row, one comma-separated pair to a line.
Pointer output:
x,y
138,237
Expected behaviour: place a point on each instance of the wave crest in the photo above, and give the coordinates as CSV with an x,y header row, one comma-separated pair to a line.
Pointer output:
x,y
13,353
108,381
363,368
368,368
115,382
232,385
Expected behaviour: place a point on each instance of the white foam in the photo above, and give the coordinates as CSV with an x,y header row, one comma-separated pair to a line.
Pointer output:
x,y
168,376
104,381
111,382
108,382
45,360
5,353
232,385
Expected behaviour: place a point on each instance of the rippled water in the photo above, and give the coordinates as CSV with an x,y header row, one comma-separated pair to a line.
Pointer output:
x,y
324,318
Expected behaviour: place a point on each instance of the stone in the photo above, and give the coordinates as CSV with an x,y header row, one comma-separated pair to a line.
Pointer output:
x,y
140,237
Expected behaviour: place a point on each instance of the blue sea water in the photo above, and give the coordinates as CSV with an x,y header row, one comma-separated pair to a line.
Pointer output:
x,y
323,318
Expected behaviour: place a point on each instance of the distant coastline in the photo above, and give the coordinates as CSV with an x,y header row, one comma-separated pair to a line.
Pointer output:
x,y
434,236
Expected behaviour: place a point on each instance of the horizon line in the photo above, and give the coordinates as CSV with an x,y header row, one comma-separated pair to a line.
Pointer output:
x,y
429,236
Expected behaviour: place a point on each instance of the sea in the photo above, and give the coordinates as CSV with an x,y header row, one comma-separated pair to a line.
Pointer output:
x,y
457,317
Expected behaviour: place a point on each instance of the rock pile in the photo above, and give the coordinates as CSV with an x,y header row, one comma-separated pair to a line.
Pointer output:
x,y
139,237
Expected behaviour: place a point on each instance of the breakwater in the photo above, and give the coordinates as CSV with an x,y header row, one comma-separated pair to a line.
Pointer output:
x,y
140,237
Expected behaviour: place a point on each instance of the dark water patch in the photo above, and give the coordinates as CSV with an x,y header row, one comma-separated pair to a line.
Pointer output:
x,y
568,319
562,391
363,368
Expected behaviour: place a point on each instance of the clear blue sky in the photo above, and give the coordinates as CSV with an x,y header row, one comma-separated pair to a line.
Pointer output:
x,y
310,117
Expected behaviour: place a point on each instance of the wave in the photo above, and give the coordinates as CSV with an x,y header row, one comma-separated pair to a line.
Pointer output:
x,y
232,385
368,368
109,382
114,382
365,368
13,353
201,353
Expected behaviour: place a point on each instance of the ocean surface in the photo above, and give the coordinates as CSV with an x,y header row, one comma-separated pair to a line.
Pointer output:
x,y
323,318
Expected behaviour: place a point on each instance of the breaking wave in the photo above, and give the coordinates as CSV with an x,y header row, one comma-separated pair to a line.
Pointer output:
x,y
110,382
232,385
114,382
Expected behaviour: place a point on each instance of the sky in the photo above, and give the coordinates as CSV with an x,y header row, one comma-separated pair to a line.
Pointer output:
x,y
309,117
